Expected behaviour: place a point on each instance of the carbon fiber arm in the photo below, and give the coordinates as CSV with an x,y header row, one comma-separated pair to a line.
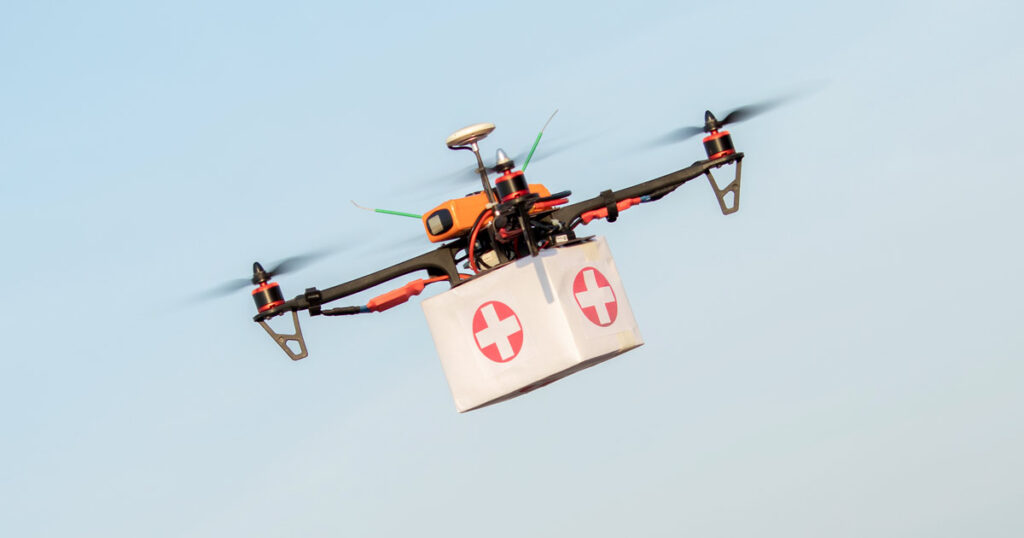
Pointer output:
x,y
438,262
655,188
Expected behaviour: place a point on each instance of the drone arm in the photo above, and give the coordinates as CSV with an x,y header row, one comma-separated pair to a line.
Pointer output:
x,y
655,188
387,300
438,263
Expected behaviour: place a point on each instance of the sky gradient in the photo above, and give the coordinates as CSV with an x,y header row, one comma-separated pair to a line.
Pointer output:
x,y
841,357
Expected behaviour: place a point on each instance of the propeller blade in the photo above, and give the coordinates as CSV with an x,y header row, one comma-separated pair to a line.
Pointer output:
x,y
677,135
227,288
294,263
287,265
550,150
749,111
710,122
470,173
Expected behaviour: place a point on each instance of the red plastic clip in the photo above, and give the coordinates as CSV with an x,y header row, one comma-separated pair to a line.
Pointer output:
x,y
543,206
603,212
396,297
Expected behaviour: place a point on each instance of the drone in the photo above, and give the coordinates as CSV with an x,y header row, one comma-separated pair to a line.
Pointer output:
x,y
508,220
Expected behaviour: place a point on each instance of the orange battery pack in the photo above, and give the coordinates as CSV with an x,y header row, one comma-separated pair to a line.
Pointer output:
x,y
456,217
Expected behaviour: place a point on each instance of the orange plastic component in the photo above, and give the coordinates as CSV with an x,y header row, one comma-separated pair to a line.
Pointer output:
x,y
396,297
462,213
544,206
603,212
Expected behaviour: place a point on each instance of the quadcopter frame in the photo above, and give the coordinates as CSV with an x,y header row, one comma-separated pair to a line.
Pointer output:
x,y
442,262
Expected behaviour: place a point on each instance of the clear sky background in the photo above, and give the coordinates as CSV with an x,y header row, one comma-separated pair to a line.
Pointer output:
x,y
843,357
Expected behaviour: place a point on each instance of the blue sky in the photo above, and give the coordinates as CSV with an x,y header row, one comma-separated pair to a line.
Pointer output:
x,y
840,357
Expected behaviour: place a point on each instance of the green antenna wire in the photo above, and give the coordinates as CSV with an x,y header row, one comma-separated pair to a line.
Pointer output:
x,y
388,211
537,141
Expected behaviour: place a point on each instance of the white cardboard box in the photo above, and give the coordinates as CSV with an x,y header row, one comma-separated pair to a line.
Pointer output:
x,y
530,323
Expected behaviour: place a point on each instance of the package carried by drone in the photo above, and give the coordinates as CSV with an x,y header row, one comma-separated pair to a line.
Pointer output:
x,y
530,323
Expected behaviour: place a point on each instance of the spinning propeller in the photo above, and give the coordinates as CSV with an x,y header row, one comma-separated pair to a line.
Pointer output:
x,y
471,173
523,159
261,276
712,124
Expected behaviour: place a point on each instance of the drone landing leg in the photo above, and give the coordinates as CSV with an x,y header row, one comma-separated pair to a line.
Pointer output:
x,y
733,187
283,339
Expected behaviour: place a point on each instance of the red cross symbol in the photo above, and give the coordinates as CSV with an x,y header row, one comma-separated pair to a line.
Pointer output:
x,y
497,331
595,297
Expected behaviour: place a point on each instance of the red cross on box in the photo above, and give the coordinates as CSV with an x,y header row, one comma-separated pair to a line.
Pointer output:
x,y
497,331
595,297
